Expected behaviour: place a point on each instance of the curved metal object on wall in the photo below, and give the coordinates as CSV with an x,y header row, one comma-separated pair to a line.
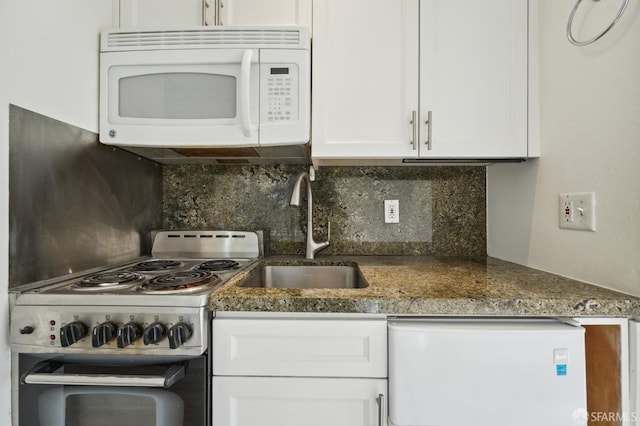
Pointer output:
x,y
575,42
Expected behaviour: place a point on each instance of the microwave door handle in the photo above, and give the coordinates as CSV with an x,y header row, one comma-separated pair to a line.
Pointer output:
x,y
46,373
245,92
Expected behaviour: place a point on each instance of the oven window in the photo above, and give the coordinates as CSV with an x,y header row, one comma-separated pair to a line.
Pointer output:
x,y
110,406
185,403
179,95
108,410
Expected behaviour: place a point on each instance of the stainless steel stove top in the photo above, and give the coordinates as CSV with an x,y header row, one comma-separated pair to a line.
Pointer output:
x,y
183,279
154,305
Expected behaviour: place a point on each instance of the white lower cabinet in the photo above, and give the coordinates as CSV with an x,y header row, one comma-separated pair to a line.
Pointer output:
x,y
296,401
292,370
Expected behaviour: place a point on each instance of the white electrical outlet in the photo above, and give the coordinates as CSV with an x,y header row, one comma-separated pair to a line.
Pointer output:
x,y
578,211
391,211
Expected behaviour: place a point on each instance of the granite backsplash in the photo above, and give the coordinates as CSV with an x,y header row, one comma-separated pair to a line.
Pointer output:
x,y
442,209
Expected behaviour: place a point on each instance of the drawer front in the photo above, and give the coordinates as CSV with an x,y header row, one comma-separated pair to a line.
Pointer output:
x,y
298,401
300,347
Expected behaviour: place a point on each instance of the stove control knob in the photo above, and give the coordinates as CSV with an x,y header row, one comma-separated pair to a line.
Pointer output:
x,y
27,329
154,333
178,334
71,333
127,334
102,334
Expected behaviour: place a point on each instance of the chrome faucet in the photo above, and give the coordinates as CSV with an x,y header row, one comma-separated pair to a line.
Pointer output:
x,y
312,246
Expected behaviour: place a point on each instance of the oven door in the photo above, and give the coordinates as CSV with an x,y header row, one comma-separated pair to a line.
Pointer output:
x,y
187,98
101,392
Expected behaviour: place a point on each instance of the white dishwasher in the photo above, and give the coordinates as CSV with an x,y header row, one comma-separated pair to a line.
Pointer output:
x,y
486,371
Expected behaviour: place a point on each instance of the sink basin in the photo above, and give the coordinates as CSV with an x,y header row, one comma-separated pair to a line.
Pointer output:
x,y
307,276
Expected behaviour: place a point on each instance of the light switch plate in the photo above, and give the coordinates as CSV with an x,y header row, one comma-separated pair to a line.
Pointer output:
x,y
578,211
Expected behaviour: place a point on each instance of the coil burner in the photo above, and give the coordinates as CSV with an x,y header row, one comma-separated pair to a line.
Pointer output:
x,y
218,265
107,281
179,282
156,265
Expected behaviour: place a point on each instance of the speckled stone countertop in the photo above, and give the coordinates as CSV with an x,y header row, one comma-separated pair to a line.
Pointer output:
x,y
431,286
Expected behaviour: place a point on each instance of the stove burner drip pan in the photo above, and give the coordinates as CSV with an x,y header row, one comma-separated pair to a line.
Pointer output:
x,y
179,282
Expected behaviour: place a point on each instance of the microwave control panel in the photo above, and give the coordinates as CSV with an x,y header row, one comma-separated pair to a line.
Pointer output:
x,y
280,83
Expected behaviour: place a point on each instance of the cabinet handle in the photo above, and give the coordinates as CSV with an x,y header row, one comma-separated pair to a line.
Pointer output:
x,y
217,18
381,410
429,124
205,6
414,129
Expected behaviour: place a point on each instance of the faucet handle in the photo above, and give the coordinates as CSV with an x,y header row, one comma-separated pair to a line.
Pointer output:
x,y
328,230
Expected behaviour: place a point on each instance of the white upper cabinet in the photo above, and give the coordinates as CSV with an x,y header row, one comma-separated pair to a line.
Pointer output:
x,y
365,78
473,78
154,13
261,12
157,13
381,71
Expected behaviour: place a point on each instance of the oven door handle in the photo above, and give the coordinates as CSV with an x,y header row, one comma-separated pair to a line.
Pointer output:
x,y
44,373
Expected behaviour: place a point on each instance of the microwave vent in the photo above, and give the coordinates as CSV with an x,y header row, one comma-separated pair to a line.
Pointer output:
x,y
205,38
284,154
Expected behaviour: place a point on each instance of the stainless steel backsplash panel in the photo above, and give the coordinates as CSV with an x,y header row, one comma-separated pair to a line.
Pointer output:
x,y
74,203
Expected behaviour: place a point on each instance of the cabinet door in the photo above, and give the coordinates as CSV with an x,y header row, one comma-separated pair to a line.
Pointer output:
x,y
260,12
157,13
365,79
251,401
473,78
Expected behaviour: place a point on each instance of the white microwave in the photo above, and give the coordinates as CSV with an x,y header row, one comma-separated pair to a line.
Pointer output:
x,y
203,87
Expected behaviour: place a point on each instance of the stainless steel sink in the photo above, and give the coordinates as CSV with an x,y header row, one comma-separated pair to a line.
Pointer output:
x,y
307,276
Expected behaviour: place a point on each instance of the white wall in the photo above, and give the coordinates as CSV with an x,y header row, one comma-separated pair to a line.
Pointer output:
x,y
590,141
49,52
